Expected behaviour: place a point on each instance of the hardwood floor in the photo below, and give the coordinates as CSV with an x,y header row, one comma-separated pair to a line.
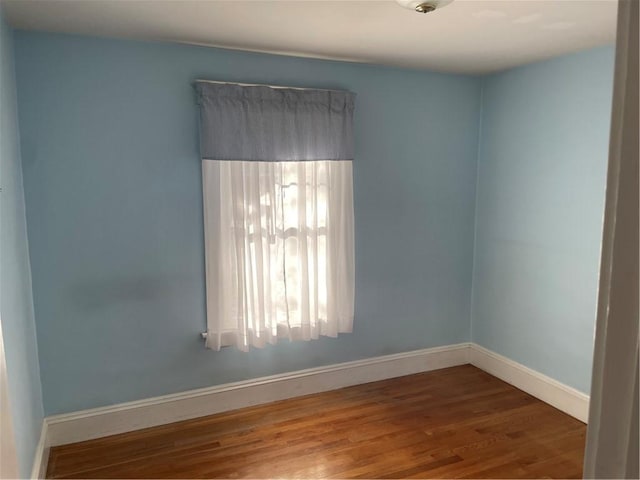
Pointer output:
x,y
453,423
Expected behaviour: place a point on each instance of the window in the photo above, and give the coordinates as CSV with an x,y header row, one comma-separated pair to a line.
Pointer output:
x,y
278,206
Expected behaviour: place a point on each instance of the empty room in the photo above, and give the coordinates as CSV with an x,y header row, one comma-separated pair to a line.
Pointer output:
x,y
319,239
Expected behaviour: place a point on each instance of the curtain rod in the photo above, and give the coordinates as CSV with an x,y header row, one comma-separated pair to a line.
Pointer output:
x,y
265,85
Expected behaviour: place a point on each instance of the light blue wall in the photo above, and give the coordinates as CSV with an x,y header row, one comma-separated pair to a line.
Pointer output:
x,y
113,191
16,302
542,168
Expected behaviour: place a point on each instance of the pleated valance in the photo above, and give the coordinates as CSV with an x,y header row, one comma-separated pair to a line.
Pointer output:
x,y
262,123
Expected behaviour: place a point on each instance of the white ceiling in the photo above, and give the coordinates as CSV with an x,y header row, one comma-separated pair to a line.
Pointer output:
x,y
467,36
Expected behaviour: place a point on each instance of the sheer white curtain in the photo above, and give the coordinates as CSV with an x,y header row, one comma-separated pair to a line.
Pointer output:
x,y
278,212
279,250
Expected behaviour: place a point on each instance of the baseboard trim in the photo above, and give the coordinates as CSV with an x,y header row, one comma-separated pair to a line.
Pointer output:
x,y
126,417
556,394
130,416
41,457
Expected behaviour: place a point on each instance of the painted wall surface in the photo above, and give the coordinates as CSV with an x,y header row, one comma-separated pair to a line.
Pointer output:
x,y
541,181
16,302
114,202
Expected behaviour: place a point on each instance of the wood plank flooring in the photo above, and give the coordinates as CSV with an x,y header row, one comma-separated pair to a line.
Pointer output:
x,y
457,422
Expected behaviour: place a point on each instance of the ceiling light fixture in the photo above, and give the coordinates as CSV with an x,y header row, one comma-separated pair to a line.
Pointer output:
x,y
423,6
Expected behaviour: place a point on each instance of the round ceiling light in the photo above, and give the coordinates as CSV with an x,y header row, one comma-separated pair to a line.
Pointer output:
x,y
423,6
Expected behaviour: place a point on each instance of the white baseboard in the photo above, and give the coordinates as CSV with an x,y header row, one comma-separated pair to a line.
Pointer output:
x,y
41,457
126,417
556,394
129,416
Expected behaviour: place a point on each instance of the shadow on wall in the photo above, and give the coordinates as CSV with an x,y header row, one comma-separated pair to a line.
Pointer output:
x,y
105,293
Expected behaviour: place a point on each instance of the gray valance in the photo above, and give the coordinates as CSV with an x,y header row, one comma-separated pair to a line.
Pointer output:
x,y
263,123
